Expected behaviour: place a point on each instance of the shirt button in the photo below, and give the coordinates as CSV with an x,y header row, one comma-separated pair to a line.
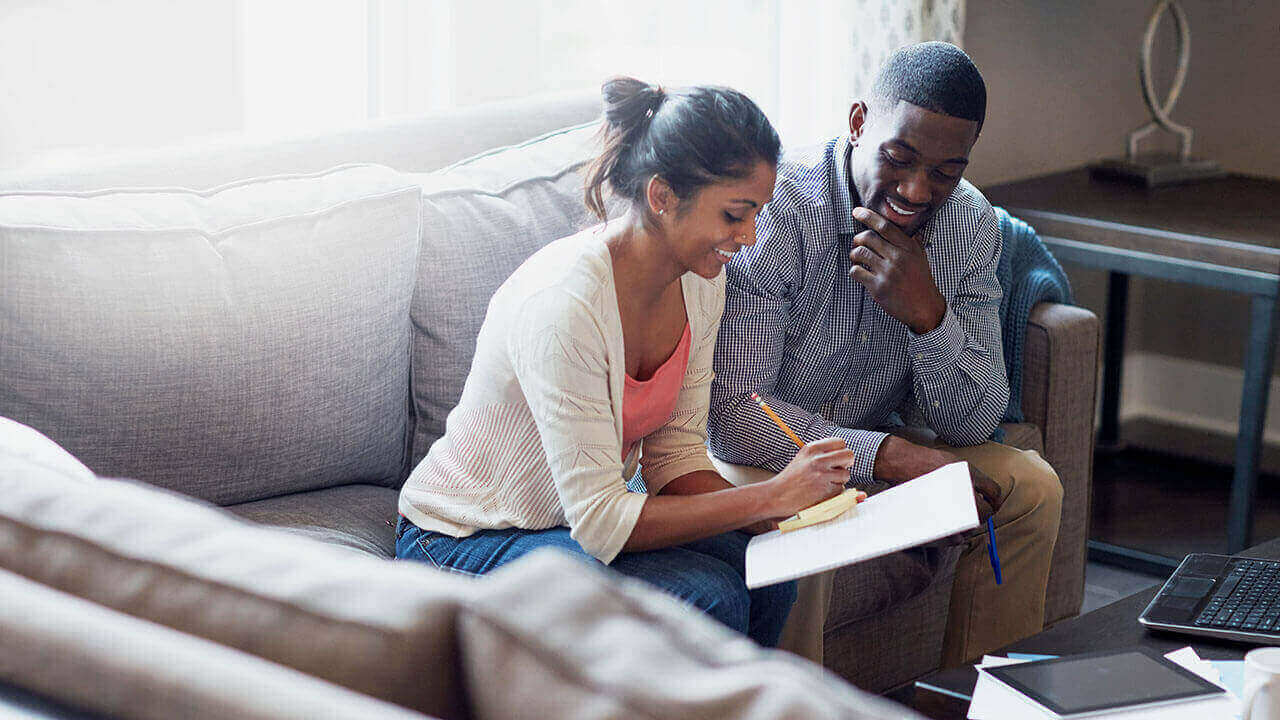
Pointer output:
x,y
862,337
846,398
935,403
919,356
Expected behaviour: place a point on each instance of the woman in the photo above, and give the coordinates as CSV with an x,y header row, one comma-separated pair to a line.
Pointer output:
x,y
595,355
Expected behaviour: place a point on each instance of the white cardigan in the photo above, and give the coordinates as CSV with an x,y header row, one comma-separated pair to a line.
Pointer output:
x,y
536,438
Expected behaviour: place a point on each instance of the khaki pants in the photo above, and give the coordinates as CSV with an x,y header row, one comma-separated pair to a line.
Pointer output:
x,y
983,615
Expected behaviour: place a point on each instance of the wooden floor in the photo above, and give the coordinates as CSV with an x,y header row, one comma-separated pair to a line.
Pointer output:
x,y
1165,505
1171,506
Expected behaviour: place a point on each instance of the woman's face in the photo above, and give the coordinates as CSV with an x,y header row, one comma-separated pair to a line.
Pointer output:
x,y
708,228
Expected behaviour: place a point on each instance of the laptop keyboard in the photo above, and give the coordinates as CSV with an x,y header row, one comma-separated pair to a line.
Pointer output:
x,y
1246,599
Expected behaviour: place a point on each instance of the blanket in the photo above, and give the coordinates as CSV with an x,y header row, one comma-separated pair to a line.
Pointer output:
x,y
1028,274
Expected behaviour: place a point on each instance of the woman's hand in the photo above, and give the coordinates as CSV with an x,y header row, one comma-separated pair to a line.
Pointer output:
x,y
817,472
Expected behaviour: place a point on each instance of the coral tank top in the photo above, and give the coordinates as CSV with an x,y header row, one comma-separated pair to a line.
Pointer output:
x,y
647,405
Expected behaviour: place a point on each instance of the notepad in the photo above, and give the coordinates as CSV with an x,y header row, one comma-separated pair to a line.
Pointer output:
x,y
918,511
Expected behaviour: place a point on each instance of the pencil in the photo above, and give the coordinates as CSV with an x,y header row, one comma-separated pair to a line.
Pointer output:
x,y
777,420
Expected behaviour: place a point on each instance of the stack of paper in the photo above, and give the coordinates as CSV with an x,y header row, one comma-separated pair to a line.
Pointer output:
x,y
993,700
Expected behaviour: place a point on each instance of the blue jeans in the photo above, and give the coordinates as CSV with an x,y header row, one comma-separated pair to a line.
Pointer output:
x,y
708,574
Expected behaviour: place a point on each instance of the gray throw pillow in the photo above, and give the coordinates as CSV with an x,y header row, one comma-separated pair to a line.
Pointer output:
x,y
238,343
481,218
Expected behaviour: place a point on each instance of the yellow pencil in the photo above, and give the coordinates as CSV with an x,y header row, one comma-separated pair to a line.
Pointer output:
x,y
777,420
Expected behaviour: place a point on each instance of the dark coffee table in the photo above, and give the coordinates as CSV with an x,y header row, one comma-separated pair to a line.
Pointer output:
x,y
1110,627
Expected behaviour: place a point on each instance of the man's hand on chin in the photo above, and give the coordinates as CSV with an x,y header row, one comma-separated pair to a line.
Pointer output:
x,y
895,271
899,460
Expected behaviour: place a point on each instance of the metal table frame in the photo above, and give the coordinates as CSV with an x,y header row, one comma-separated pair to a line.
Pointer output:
x,y
1264,316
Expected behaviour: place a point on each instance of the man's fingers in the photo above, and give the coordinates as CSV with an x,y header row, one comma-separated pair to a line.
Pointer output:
x,y
864,256
871,240
987,487
984,508
865,278
883,227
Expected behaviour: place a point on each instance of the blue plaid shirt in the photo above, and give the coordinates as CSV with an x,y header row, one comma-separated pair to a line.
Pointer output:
x,y
825,356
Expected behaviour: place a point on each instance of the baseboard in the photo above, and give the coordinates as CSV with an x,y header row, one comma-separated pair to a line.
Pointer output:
x,y
1190,408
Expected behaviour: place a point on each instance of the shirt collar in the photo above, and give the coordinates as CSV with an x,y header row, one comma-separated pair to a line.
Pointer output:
x,y
842,191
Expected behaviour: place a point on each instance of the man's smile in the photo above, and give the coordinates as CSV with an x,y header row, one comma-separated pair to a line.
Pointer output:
x,y
900,209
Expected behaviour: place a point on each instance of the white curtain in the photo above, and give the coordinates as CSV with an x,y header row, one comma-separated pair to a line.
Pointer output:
x,y
803,61
81,77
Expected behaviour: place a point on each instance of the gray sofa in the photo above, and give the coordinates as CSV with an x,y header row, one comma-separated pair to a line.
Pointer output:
x,y
287,348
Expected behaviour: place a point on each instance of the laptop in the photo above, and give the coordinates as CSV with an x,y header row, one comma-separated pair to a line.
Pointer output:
x,y
1221,596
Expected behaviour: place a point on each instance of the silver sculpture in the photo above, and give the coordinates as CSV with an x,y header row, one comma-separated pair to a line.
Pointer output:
x,y
1160,168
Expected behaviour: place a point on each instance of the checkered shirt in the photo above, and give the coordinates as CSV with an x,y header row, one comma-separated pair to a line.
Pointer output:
x,y
825,356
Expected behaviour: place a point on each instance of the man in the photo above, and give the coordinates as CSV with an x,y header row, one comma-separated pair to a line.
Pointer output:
x,y
869,310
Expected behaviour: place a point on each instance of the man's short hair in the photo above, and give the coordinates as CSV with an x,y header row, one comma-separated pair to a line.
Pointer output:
x,y
936,76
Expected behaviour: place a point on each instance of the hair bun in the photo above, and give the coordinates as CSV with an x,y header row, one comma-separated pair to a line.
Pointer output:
x,y
629,102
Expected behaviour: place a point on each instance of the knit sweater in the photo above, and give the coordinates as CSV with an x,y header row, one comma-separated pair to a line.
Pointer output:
x,y
536,438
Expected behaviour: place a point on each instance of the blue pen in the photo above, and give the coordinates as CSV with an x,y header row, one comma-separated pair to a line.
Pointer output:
x,y
991,548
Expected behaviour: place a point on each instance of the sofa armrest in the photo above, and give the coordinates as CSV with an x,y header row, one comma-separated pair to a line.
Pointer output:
x,y
1059,392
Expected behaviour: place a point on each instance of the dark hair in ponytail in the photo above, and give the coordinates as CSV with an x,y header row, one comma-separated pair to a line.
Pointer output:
x,y
690,137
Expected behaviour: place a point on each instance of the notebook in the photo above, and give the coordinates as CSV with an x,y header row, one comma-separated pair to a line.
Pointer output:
x,y
930,507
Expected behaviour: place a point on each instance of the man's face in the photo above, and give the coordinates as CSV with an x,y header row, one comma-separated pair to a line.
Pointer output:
x,y
906,160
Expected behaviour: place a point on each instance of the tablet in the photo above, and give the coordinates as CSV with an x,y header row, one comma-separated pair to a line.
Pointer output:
x,y
1081,685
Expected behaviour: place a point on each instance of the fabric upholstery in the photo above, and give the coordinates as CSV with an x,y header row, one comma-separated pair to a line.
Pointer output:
x,y
360,517
1023,436
90,657
366,624
234,344
609,647
1059,392
874,586
409,144
481,218
881,651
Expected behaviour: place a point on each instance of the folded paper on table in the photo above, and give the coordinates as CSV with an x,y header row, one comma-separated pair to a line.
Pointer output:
x,y
922,510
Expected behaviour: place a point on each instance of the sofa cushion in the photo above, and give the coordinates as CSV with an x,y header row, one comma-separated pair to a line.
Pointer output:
x,y
385,629
90,657
359,517
481,218
237,343
603,646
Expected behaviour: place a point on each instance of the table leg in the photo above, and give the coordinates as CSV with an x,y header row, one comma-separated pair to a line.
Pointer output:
x,y
1113,357
1259,355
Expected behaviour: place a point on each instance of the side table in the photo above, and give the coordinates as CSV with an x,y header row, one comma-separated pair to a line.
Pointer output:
x,y
1222,233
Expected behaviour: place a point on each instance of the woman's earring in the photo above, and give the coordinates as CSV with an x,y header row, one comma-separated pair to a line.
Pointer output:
x,y
662,212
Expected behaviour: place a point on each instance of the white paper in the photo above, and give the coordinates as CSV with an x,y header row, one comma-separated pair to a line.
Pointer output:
x,y
993,700
918,511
